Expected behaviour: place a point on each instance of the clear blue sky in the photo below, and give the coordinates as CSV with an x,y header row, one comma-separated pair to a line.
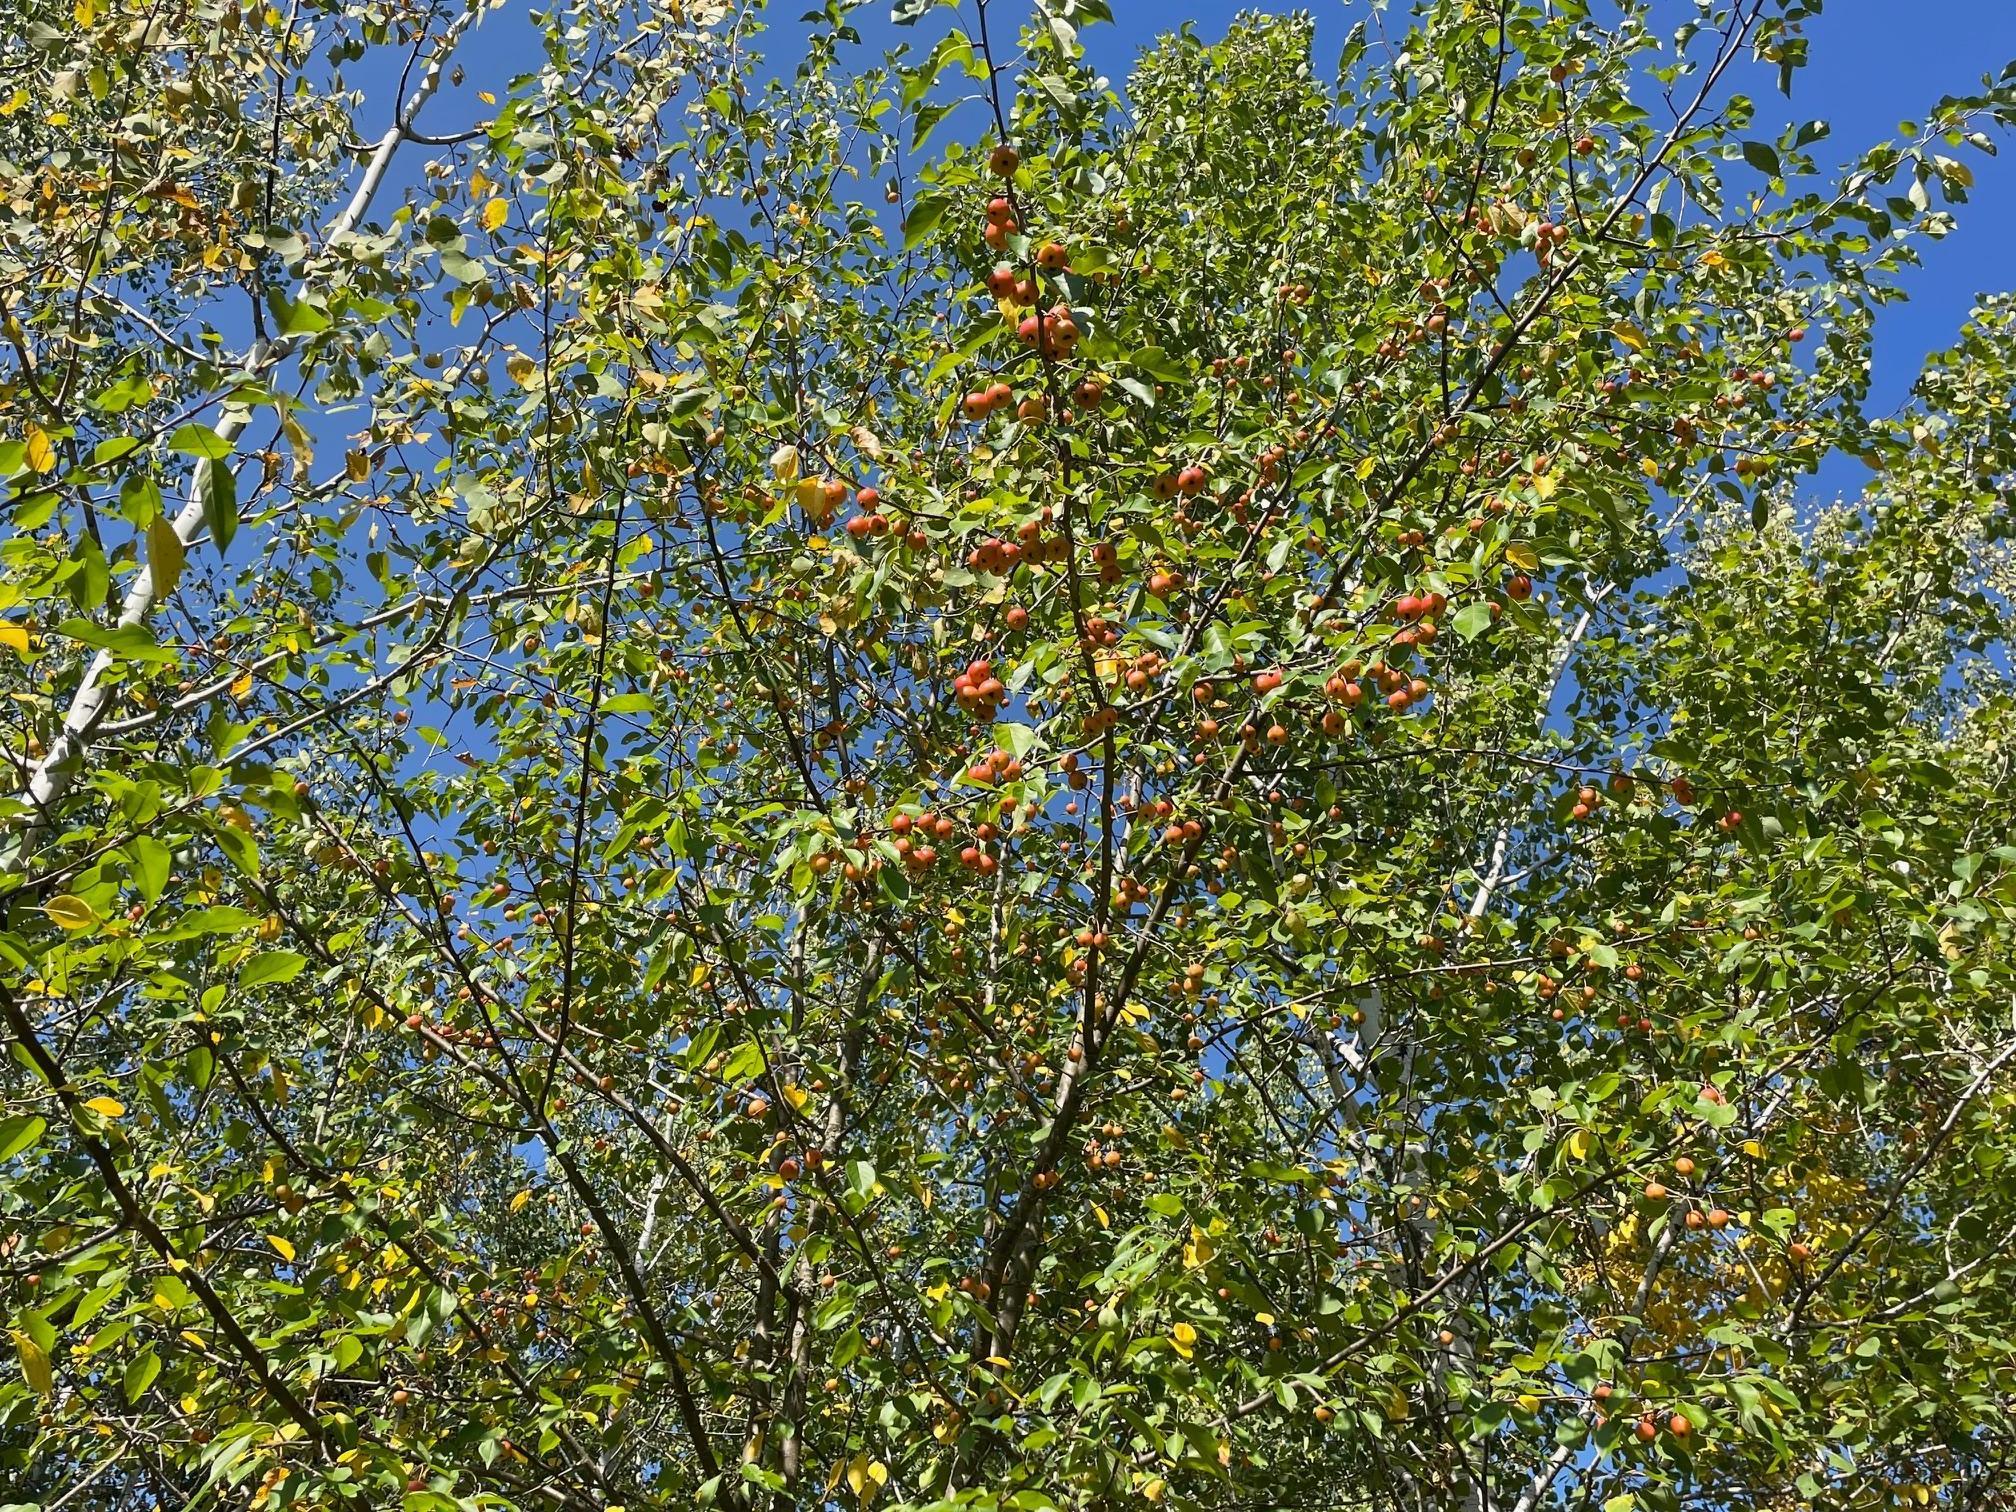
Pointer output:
x,y
1875,63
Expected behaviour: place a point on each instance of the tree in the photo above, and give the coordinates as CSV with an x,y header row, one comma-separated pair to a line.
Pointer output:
x,y
913,785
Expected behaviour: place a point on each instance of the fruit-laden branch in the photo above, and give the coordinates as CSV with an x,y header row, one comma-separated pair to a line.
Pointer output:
x,y
68,753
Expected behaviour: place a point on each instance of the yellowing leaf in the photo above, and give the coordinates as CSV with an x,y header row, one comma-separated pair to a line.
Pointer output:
x,y
1578,1145
1522,556
106,1107
797,1096
865,1477
281,1247
495,214
15,638
1200,1249
165,555
70,911
41,450
520,367
1629,335
1100,1213
1544,484
519,1199
486,97
35,1365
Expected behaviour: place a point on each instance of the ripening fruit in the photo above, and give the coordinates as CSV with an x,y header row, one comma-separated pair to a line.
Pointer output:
x,y
1646,1431
1003,161
1519,587
1679,1425
1655,1191
1052,257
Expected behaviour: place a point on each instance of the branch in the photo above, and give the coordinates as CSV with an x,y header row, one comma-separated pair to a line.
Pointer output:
x,y
70,750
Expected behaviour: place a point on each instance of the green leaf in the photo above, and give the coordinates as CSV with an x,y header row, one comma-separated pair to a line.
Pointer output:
x,y
19,1133
151,862
923,218
1472,620
1762,157
200,441
140,1375
273,966
219,492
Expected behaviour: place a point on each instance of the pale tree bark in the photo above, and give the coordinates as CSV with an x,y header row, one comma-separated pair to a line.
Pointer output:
x,y
69,753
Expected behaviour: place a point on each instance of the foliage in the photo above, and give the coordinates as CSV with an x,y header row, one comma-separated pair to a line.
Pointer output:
x,y
726,799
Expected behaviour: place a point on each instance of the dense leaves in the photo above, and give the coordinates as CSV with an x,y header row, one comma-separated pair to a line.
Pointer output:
x,y
916,784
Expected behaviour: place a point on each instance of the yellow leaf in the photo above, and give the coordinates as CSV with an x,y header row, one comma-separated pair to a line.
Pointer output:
x,y
1629,335
1544,485
70,911
1265,1320
519,1199
865,1477
797,1096
1367,467
15,638
486,97
281,1247
1578,1145
520,367
1200,1249
1100,1214
240,686
35,1365
495,214
1522,556
165,556
41,450
106,1107
1649,466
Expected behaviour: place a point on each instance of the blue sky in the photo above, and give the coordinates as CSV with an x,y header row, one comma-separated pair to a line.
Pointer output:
x,y
1875,63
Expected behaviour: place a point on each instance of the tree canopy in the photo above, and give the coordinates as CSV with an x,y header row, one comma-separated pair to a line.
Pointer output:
x,y
899,780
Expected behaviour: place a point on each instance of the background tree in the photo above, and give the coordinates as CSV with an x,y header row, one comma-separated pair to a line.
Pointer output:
x,y
907,785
